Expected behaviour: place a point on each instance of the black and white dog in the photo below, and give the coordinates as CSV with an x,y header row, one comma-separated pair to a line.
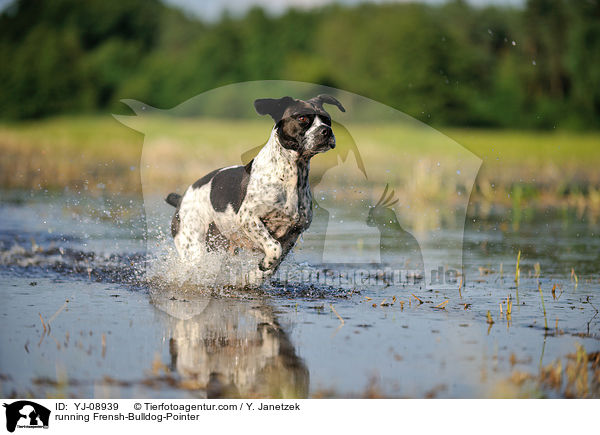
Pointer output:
x,y
266,204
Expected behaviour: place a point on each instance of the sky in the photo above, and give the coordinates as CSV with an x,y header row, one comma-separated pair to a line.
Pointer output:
x,y
212,9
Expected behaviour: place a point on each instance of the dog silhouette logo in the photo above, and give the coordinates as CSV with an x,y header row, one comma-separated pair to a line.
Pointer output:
x,y
26,414
430,174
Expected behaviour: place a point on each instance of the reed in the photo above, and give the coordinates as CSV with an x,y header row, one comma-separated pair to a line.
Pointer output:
x,y
517,274
543,306
336,313
518,268
442,305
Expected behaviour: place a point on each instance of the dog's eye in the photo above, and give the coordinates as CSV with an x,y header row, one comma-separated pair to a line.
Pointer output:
x,y
303,119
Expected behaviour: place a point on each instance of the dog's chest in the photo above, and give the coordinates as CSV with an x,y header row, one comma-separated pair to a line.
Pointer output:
x,y
291,199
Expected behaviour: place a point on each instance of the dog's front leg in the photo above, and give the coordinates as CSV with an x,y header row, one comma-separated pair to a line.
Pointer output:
x,y
289,241
258,233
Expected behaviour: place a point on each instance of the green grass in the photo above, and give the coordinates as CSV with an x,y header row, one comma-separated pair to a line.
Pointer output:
x,y
105,135
530,146
91,150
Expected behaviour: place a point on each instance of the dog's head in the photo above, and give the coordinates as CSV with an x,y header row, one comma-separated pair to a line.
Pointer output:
x,y
302,126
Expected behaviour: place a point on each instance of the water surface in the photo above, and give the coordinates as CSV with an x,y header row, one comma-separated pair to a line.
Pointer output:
x,y
83,317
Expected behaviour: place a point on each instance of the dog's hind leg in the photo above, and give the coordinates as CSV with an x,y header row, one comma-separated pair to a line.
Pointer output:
x,y
190,241
191,224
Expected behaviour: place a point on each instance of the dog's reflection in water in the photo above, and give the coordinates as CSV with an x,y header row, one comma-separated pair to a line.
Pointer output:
x,y
231,347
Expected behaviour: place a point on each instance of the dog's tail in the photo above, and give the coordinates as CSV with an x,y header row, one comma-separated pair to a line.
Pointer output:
x,y
173,199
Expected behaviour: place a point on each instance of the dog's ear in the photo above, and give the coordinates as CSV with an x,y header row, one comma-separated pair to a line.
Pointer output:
x,y
319,100
273,106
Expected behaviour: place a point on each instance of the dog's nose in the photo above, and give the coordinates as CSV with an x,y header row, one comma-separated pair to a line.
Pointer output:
x,y
326,132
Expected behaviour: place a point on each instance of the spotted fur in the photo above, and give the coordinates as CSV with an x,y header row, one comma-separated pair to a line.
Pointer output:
x,y
262,206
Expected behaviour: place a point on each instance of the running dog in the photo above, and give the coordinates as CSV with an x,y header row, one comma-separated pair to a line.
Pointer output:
x,y
266,204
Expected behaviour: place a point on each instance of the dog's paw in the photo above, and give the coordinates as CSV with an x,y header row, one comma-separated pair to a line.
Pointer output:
x,y
265,265
272,257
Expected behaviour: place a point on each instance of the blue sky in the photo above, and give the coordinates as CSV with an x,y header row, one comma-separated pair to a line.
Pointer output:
x,y
212,9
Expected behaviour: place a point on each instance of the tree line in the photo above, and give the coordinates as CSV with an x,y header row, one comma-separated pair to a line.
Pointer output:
x,y
537,66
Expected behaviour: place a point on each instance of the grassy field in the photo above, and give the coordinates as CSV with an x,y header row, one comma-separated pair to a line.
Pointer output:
x,y
99,154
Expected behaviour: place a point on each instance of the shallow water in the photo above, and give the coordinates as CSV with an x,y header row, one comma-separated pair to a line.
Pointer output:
x,y
115,325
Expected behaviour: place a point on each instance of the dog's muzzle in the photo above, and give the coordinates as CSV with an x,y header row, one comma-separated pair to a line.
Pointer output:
x,y
327,137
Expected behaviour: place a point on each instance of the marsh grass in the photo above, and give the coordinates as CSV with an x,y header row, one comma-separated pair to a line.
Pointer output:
x,y
575,376
90,154
520,169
